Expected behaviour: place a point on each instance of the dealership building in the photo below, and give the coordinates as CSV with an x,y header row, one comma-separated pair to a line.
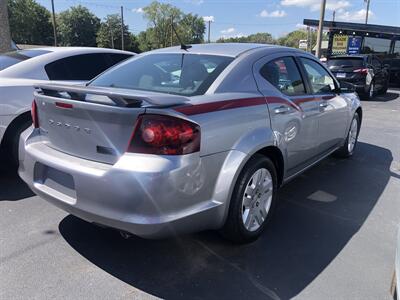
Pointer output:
x,y
355,38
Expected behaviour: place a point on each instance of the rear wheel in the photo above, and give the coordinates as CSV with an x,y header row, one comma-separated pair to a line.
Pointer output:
x,y
384,89
253,201
350,144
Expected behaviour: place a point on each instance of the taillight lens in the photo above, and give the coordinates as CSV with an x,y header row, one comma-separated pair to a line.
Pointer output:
x,y
361,71
34,114
164,135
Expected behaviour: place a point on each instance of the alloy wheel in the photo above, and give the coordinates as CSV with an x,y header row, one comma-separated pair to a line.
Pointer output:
x,y
352,135
257,199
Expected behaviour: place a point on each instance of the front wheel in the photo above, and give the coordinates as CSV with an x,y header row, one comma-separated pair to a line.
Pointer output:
x,y
349,146
253,201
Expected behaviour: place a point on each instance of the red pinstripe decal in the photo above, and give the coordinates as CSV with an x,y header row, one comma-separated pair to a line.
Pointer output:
x,y
203,108
220,105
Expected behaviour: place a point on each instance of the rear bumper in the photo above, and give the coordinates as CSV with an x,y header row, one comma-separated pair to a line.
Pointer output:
x,y
361,87
149,196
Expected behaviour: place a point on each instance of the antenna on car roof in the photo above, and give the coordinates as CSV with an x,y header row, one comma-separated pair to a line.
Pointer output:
x,y
183,46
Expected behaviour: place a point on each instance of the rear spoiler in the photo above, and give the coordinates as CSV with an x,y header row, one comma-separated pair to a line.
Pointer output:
x,y
124,99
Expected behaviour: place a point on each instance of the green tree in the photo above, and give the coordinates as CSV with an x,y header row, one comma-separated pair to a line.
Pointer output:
x,y
30,23
147,40
292,39
161,18
191,29
77,26
260,38
109,35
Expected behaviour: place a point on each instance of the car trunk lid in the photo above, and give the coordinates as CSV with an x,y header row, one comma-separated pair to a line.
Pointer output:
x,y
93,123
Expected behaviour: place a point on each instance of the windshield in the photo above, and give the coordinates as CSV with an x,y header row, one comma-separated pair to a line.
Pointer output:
x,y
350,62
11,58
180,74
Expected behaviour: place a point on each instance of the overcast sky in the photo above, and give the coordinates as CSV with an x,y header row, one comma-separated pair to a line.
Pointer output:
x,y
241,17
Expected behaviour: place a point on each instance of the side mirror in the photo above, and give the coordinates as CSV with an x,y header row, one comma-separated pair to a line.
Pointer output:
x,y
347,87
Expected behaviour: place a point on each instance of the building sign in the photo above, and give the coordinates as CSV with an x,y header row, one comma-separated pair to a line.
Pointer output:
x,y
303,44
354,45
339,45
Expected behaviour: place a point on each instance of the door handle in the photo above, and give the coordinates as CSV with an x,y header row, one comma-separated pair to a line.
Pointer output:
x,y
282,109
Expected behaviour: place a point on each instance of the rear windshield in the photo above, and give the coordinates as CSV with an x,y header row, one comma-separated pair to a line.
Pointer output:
x,y
179,74
350,62
11,58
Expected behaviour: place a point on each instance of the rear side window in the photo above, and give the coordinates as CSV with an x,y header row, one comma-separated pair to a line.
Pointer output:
x,y
284,75
180,74
318,76
346,62
115,58
82,67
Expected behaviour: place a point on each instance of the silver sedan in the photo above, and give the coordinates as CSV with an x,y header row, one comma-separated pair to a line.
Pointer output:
x,y
181,140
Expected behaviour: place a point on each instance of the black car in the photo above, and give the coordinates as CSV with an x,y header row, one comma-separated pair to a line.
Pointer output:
x,y
367,72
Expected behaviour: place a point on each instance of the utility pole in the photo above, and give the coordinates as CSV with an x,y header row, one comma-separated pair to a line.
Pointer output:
x,y
209,30
309,39
122,29
172,31
54,23
5,36
320,28
367,12
333,16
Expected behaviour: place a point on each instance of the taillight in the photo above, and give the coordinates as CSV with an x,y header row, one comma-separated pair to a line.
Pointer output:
x,y
34,114
361,71
164,135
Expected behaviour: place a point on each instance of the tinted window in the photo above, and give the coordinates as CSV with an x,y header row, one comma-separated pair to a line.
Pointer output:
x,y
284,75
376,45
115,58
345,62
80,67
396,50
320,80
180,74
376,62
11,58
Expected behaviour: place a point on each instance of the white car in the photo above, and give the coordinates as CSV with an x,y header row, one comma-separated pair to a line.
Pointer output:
x,y
21,70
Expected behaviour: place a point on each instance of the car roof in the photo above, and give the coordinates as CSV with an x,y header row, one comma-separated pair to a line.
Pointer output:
x,y
225,49
34,67
79,49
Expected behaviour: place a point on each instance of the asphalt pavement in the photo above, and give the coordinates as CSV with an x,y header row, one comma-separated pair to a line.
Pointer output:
x,y
333,237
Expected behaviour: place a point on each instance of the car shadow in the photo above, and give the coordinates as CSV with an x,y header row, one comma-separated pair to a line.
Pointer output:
x,y
389,96
12,187
318,213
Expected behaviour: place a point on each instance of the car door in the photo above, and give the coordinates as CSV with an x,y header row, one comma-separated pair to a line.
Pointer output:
x,y
293,111
333,107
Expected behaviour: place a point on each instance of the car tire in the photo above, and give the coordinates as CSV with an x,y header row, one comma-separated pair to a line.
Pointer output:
x,y
13,143
253,201
383,91
350,143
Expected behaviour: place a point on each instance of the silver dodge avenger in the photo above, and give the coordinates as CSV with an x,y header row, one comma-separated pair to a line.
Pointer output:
x,y
187,138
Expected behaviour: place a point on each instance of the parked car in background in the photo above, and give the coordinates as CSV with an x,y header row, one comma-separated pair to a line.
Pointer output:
x,y
21,70
367,72
180,140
